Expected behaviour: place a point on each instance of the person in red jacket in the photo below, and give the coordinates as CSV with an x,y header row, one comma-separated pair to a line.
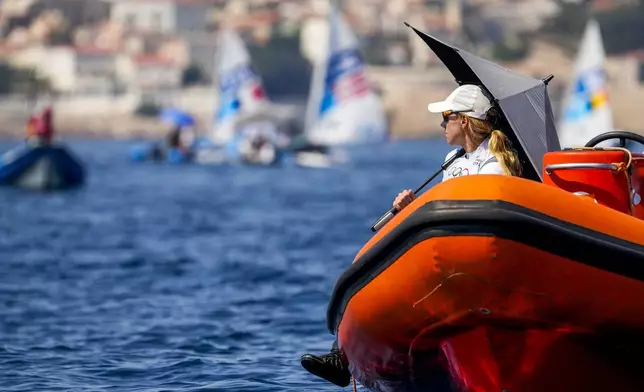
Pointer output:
x,y
41,127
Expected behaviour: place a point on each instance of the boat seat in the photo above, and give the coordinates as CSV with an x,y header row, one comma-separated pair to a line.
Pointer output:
x,y
598,173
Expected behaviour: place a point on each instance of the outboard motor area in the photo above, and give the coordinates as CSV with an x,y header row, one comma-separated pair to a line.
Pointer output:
x,y
612,176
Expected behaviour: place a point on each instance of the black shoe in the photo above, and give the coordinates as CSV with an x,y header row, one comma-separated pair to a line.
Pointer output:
x,y
330,367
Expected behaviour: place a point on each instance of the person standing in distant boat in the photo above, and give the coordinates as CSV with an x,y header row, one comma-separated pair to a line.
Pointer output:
x,y
173,139
40,128
467,120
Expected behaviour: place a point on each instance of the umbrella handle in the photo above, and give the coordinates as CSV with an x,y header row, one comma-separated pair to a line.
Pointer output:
x,y
383,220
389,215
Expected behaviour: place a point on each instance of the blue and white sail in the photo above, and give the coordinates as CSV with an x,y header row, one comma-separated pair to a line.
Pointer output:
x,y
343,108
586,110
239,88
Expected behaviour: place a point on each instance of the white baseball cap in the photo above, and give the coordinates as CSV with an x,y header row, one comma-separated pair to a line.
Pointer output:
x,y
468,99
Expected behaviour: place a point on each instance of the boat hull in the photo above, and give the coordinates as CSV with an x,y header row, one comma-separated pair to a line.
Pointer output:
x,y
499,292
41,168
154,153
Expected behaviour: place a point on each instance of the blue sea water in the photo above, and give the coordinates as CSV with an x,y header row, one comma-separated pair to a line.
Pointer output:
x,y
159,277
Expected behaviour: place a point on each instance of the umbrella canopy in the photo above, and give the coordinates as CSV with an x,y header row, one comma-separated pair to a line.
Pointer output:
x,y
523,100
177,117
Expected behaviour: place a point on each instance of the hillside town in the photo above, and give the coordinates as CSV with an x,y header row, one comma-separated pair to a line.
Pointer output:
x,y
103,62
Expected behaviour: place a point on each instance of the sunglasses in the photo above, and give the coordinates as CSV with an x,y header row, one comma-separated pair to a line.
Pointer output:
x,y
447,115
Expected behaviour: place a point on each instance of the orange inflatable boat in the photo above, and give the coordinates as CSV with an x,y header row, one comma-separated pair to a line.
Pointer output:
x,y
496,283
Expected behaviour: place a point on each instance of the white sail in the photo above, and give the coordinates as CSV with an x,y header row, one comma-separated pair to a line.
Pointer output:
x,y
316,92
347,109
239,88
587,111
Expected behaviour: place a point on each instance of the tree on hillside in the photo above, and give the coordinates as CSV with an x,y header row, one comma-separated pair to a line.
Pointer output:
x,y
62,36
511,48
193,75
281,65
21,81
621,27
568,24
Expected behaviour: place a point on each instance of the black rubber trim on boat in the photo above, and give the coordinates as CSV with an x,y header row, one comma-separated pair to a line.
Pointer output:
x,y
486,218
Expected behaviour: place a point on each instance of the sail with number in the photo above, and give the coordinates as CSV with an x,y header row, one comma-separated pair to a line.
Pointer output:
x,y
239,87
587,111
343,107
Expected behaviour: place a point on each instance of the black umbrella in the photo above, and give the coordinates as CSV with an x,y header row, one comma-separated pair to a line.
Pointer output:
x,y
523,100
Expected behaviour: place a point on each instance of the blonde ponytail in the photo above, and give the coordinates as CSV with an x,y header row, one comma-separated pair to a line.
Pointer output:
x,y
499,145
501,148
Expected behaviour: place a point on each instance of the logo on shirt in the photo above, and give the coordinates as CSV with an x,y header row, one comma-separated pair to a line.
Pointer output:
x,y
458,171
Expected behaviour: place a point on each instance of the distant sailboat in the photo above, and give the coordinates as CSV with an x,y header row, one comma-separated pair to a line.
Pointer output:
x,y
586,110
343,108
240,94
239,88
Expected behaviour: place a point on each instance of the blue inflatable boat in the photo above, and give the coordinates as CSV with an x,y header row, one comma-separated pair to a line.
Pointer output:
x,y
41,168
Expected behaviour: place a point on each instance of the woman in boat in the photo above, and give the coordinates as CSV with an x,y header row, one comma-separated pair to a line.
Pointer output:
x,y
468,120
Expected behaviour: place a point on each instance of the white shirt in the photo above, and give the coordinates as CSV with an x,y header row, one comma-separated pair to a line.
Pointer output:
x,y
479,161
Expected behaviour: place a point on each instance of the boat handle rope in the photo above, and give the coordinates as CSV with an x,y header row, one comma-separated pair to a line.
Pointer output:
x,y
629,179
